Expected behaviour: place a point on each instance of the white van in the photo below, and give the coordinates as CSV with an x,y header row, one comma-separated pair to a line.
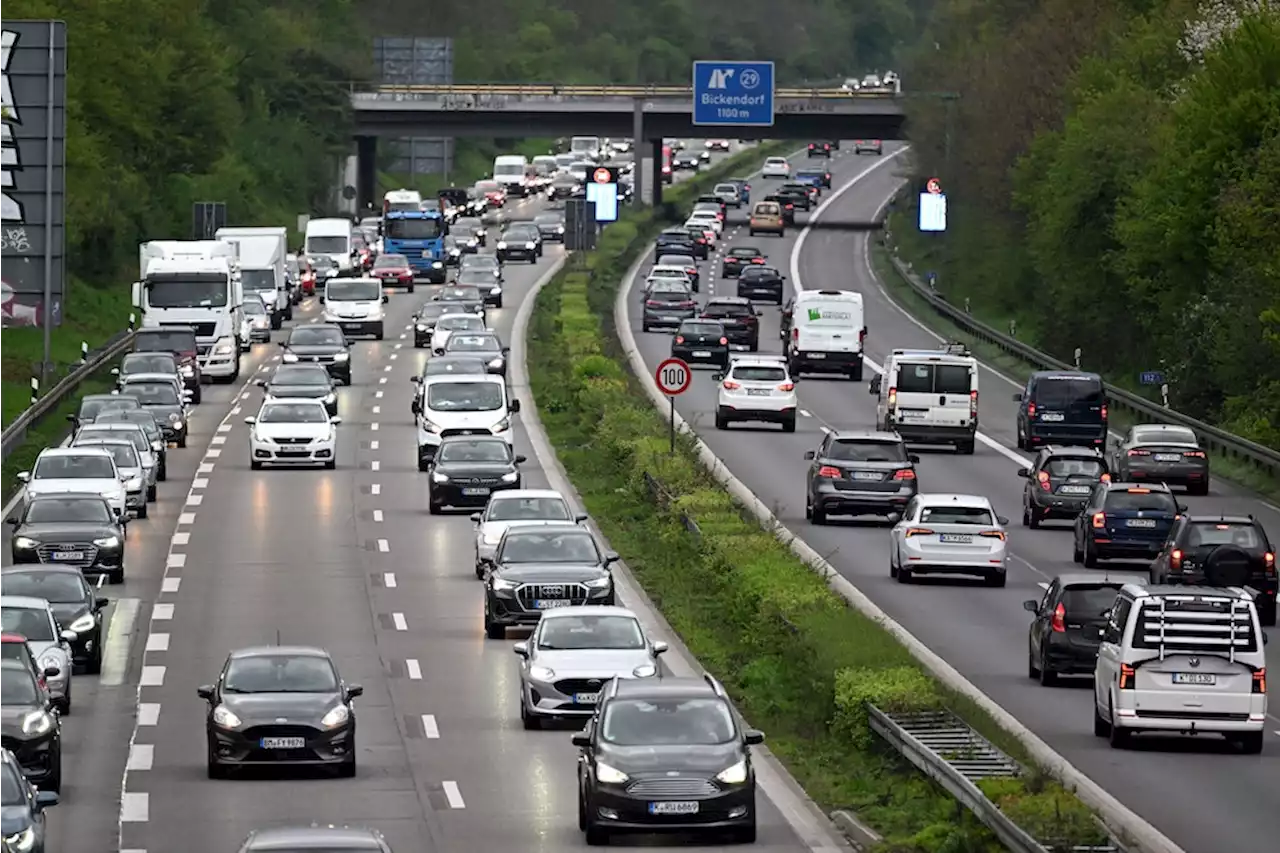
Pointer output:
x,y
462,405
586,147
929,396
355,305
828,329
513,172
331,238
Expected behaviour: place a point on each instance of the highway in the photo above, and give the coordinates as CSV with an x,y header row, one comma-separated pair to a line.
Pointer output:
x,y
347,559
1198,792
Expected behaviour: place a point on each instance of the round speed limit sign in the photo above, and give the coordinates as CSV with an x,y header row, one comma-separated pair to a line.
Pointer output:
x,y
674,377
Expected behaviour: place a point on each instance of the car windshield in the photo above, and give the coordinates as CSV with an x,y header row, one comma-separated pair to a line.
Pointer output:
x,y
17,687
29,622
54,587
744,252
151,362
300,375
760,374
521,232
1165,435
475,451
727,309
487,187
1224,533
256,281
1140,500
92,434
335,245
126,455
677,261
475,276
714,330
1062,391
462,322
760,272
1068,467
432,310
254,307
549,219
590,632
170,342
292,413
950,514
848,450
460,294
465,396
636,722
418,228
455,365
1088,600
527,509
54,510
74,467
468,224
92,407
352,290
484,262
670,287
153,393
11,789
310,337
529,546
146,420
473,343
280,674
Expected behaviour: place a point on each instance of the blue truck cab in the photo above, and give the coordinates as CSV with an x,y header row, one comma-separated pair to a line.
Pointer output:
x,y
419,236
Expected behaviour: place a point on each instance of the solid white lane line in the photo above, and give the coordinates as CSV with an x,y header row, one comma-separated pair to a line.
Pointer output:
x,y
157,642
162,612
170,584
115,654
389,580
148,713
415,669
399,621
454,795
384,546
377,515
141,757
135,807
429,727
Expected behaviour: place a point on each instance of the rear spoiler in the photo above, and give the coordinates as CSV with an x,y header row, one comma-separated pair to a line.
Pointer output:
x,y
756,356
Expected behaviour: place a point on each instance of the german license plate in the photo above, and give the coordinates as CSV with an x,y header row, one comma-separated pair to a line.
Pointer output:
x,y
913,414
1053,417
586,698
1194,678
476,492
283,742
757,392
1168,457
674,807
702,354
293,448
865,475
817,355
68,555
551,603
1075,490
1141,522
959,538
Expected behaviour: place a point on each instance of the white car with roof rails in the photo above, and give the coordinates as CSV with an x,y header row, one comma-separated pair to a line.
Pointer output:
x,y
776,167
58,470
134,434
447,324
824,331
517,508
1182,660
706,219
946,534
669,272
293,431
462,405
756,388
128,462
929,396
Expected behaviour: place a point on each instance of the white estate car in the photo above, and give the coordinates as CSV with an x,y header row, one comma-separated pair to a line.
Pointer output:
x,y
77,469
756,388
447,324
949,535
293,431
517,508
776,167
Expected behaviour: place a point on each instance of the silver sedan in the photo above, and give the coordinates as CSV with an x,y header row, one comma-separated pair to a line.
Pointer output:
x,y
51,646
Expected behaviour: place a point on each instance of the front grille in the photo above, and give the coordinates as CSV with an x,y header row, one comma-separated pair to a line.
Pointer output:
x,y
257,733
293,440
673,788
90,551
452,432
475,481
203,349
531,592
203,330
570,686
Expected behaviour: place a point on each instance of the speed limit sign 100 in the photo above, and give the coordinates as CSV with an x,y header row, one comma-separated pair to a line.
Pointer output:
x,y
674,377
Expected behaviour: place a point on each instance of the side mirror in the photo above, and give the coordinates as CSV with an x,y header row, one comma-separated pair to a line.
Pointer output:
x,y
1031,606
115,371
894,517
416,380
874,386
72,418
660,648
261,383
520,460
521,650
1265,638
1182,507
810,454
281,344
321,297
719,377
1002,520
99,603
13,519
438,351
1024,472
205,691
1017,398
578,519
513,406
251,420
24,476
52,671
115,391
610,559
385,299
336,419
753,737
582,740
914,458
354,690
475,518
45,799
69,636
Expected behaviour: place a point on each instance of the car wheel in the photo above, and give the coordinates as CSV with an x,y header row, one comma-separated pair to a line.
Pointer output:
x,y
721,421
434,508
789,425
1090,556
94,666
1032,670
1250,743
196,396
529,721
498,304
347,770
494,631
1119,736
1026,515
1033,518
1101,728
819,515
966,448
54,780
1048,678
423,464
745,834
214,768
409,289
893,567
330,464
1201,489
1267,614
115,577
1077,556
151,494
163,473
582,812
142,510
255,465
597,836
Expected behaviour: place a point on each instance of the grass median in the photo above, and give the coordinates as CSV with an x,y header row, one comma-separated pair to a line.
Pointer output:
x,y
801,664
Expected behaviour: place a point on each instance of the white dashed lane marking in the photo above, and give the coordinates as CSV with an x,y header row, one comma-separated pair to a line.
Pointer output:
x,y
389,580
162,612
377,515
429,727
148,713
454,795
414,669
399,621
384,546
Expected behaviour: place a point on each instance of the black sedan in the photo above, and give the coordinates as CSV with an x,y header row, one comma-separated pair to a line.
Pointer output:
x,y
75,530
468,469
564,186
280,705
31,731
24,808
676,242
520,241
320,343
74,606
454,249
538,568
161,397
701,342
424,321
302,381
1067,622
471,233
484,345
763,283
819,149
551,226
461,299
1162,453
484,281
739,258
741,321
801,195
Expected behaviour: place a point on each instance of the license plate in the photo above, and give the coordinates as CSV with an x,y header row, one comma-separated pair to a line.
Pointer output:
x,y
674,807
865,475
68,555
959,538
1194,678
757,392
1053,417
586,698
702,354
476,491
283,742
817,355
551,603
1075,490
1141,522
674,317
292,448
1168,457
912,414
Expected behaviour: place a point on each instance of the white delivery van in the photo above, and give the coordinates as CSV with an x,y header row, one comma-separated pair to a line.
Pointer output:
x,y
586,147
513,172
462,405
355,305
263,252
332,239
828,328
929,396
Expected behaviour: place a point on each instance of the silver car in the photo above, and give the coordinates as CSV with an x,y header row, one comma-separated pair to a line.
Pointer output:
x,y
573,653
517,508
129,463
96,433
50,646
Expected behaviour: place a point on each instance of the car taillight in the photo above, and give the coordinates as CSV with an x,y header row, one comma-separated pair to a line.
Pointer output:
x,y
1269,563
1138,452
1175,559
679,339
1105,478
757,260
724,342
689,303
893,396
1043,477
973,404
993,534
830,472
1059,623
1031,410
862,335
1194,454
1104,411
693,271
790,206
918,531
1099,520
787,386
1260,681
795,336
652,303
904,474
875,142
1127,677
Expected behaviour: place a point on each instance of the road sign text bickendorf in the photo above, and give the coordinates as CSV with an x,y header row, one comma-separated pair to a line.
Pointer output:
x,y
733,100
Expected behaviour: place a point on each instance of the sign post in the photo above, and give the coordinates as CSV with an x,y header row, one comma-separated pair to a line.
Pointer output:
x,y
674,378
733,94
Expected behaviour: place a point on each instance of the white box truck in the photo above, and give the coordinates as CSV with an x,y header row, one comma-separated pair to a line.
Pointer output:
x,y
262,267
194,283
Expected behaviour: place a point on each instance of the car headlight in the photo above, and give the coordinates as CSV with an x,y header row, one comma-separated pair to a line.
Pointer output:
x,y
25,543
503,583
187,370
531,245
735,775
496,290
501,426
541,673
598,583
51,661
430,427
502,245
133,484
175,419
610,775
83,624
225,346
330,397
435,265
224,718
560,229
22,841
510,478
473,242
37,723
342,356
338,715
492,538
420,327
290,358
157,446
647,670
108,542
496,363
437,477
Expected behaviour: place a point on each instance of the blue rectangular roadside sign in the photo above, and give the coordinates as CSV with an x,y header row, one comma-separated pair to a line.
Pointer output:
x,y
733,94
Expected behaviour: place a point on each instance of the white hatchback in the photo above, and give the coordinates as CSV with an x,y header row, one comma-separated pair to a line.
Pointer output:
x,y
776,167
756,388
949,535
293,431
705,219
78,469
517,508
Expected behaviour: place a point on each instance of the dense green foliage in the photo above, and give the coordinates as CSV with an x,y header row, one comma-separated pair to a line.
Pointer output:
x,y
1118,161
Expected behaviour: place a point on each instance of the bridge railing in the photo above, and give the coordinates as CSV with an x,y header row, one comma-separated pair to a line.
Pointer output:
x,y
535,91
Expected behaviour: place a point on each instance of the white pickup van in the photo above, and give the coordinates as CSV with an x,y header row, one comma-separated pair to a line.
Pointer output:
x,y
827,331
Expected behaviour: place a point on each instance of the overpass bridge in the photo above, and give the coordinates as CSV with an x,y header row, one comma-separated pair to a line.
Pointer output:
x,y
643,113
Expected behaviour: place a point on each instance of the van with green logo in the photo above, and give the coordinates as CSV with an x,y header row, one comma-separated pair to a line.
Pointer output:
x,y
824,332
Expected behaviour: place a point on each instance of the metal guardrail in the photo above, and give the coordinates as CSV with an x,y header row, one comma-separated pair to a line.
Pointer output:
x,y
948,751
551,90
660,496
1259,456
15,432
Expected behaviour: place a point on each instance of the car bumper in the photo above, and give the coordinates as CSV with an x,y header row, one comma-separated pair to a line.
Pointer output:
x,y
1166,710
942,560
96,559
359,327
615,809
836,501
543,699
220,365
259,336
1127,548
668,318
239,749
929,434
767,293
505,609
1068,655
717,355
39,759
315,453
1041,433
464,495
1181,475
1057,506
752,412
530,255
823,362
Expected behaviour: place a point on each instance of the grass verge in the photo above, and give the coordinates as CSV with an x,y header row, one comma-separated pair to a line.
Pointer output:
x,y
899,223
800,663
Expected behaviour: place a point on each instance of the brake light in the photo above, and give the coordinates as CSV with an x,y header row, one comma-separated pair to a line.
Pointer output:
x,y
1105,478
862,335
757,260
1099,520
1195,454
1031,410
1043,477
688,304
724,342
790,206
795,336
918,531
905,474
830,472
973,400
787,386
1127,676
993,534
1269,563
1175,559
692,270
1059,623
1138,491
679,339
730,385
1260,681
1139,452
893,396
652,303
875,141
1104,411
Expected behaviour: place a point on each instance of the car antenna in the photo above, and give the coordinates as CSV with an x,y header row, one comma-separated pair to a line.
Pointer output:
x,y
278,643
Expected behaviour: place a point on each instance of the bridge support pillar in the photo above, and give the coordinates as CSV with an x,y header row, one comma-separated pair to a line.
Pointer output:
x,y
657,171
637,142
366,172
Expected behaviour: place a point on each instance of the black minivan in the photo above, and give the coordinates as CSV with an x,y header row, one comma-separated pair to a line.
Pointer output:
x,y
1062,407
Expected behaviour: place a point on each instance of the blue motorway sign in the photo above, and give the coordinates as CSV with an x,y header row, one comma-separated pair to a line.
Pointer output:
x,y
1151,377
733,93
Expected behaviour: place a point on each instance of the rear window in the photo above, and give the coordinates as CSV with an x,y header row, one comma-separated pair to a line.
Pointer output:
x,y
727,310
760,374
852,450
1062,391
164,342
933,379
1175,435
1136,501
701,329
1224,533
975,515
1191,624
1089,600
1067,467
770,209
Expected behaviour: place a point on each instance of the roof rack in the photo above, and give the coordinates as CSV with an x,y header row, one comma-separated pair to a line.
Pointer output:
x,y
715,685
1175,630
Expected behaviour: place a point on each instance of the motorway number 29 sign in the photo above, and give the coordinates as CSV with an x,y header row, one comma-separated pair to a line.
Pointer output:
x,y
674,377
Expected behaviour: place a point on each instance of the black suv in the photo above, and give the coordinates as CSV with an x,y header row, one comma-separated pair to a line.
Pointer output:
x,y
467,469
677,242
859,472
1067,624
819,149
763,283
1059,483
701,341
741,320
666,754
424,321
1229,550
538,568
322,343
181,341
1062,407
796,195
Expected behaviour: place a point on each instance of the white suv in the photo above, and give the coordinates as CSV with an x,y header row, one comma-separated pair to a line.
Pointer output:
x,y
756,388
776,167
1181,660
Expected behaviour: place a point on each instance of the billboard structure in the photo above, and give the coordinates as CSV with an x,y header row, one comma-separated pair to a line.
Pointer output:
x,y
413,62
33,231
